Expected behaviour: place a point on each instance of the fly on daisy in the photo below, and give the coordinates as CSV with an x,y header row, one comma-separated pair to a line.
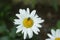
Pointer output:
x,y
28,22
55,35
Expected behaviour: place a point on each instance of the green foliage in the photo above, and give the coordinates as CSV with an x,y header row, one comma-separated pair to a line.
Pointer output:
x,y
4,10
55,5
32,3
3,27
58,24
13,32
5,38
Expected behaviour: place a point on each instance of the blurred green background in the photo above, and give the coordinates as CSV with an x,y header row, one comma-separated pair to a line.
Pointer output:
x,y
49,10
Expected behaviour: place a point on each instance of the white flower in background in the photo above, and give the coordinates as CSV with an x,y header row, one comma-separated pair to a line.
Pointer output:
x,y
55,35
28,22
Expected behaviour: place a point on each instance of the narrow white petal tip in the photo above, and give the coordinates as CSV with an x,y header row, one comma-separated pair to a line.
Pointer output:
x,y
42,21
24,38
48,34
52,30
34,11
14,23
20,10
36,33
47,39
17,15
58,29
16,27
30,36
16,31
38,30
27,8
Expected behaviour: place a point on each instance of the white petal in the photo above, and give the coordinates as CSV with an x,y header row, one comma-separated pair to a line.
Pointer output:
x,y
50,36
38,20
33,13
26,14
35,30
20,10
48,39
25,33
18,15
41,21
53,32
19,28
36,16
30,33
38,25
58,33
28,11
23,13
17,21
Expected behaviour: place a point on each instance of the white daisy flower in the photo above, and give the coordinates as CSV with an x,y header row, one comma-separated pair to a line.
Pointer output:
x,y
28,22
55,35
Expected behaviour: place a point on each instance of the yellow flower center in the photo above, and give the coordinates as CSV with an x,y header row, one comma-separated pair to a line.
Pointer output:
x,y
28,22
57,38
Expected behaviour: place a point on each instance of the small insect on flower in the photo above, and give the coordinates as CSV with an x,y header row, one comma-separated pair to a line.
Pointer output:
x,y
28,22
55,35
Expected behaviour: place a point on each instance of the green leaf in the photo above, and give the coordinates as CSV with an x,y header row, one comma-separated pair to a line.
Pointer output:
x,y
3,27
55,5
4,38
13,32
7,7
32,3
58,24
26,2
1,15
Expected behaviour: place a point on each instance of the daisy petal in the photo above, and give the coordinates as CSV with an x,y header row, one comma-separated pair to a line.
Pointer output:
x,y
19,30
35,30
38,25
50,36
53,32
38,20
25,34
20,10
33,13
17,21
48,39
18,15
36,16
58,33
30,33
20,26
28,11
